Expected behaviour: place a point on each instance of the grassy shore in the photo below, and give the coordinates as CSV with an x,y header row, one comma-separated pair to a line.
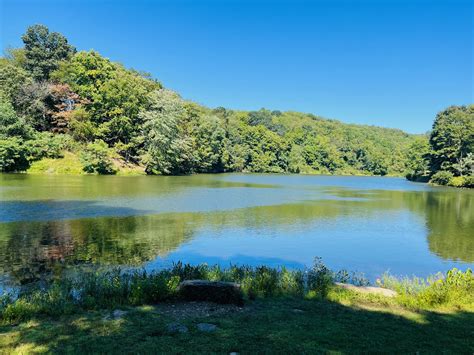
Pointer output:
x,y
70,164
285,312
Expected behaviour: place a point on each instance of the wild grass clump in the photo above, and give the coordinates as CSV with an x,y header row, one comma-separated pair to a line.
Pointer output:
x,y
118,288
260,281
455,289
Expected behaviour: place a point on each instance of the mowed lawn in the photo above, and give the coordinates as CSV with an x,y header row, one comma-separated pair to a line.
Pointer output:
x,y
345,324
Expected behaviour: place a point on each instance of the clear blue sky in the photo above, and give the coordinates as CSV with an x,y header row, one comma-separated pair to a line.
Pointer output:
x,y
385,62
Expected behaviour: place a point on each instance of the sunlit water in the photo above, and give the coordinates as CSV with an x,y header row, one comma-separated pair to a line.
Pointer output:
x,y
365,224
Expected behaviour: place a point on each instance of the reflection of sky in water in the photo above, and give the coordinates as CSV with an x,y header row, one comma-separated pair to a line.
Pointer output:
x,y
367,224
187,200
369,246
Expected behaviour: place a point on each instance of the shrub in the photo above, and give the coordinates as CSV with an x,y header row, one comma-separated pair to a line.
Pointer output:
x,y
264,282
441,177
97,158
18,311
457,181
455,288
462,181
47,145
13,155
469,181
417,178
319,278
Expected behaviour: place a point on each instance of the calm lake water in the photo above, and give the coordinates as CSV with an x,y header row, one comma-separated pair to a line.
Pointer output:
x,y
365,224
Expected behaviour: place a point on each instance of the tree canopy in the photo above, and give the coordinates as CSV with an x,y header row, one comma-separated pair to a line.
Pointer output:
x,y
449,156
53,96
44,50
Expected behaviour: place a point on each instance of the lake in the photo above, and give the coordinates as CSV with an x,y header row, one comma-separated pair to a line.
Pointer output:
x,y
367,224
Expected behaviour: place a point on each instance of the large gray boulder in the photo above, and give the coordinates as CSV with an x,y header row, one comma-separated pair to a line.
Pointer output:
x,y
211,291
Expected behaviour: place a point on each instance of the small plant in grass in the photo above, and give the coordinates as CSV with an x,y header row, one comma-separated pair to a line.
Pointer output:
x,y
319,278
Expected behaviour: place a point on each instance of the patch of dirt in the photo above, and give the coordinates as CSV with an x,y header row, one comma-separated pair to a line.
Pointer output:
x,y
186,310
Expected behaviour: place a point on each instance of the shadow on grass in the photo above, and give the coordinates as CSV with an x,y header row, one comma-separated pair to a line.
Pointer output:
x,y
274,325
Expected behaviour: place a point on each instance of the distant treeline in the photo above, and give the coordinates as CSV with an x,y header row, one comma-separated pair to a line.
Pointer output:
x,y
54,99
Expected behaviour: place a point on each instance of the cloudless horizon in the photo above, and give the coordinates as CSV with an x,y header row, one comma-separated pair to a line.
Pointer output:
x,y
386,63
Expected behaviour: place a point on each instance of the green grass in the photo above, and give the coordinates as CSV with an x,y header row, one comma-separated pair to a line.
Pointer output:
x,y
453,290
264,326
285,312
68,165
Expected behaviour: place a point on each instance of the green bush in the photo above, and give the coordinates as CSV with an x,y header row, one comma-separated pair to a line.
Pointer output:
x,y
462,181
417,178
96,158
469,181
455,288
456,181
47,145
13,155
319,278
441,177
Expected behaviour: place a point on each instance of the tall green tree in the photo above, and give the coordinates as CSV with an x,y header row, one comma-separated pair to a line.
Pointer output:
x,y
210,143
417,158
169,150
44,50
13,132
113,98
452,138
12,79
11,125
31,104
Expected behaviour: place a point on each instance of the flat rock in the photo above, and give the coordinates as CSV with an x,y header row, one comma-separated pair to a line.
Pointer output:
x,y
212,291
297,310
368,289
206,327
177,328
116,314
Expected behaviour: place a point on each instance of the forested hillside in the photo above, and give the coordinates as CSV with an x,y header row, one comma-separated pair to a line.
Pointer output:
x,y
93,115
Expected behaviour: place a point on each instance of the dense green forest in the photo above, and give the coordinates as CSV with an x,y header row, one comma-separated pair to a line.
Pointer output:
x,y
448,157
69,111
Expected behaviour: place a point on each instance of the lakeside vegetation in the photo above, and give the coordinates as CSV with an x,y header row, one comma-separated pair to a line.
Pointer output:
x,y
279,302
69,112
56,103
95,290
448,157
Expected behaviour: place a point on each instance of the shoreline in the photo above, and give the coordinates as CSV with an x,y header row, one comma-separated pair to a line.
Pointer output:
x,y
420,317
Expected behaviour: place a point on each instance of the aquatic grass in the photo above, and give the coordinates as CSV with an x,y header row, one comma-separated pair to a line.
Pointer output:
x,y
94,290
454,289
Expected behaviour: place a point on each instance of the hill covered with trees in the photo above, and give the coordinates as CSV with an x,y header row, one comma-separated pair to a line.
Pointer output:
x,y
69,111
